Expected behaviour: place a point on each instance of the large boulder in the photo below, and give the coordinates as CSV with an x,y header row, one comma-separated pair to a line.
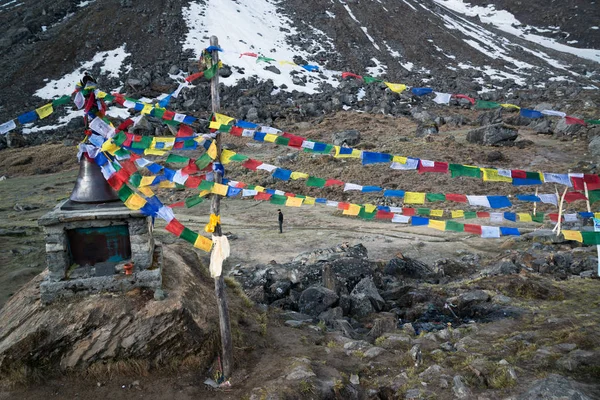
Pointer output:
x,y
367,288
555,387
492,134
343,274
490,117
426,128
350,137
409,268
314,300
594,147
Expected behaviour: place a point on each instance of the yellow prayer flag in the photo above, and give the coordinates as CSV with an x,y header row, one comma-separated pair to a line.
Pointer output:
x,y
597,215
166,184
154,152
294,201
44,111
400,159
259,188
354,209
222,119
370,208
147,180
168,142
524,217
573,235
270,137
219,189
396,87
226,156
147,108
414,198
458,213
436,213
100,94
110,146
146,191
309,201
508,105
212,150
135,202
439,225
298,175
203,243
285,62
204,193
491,174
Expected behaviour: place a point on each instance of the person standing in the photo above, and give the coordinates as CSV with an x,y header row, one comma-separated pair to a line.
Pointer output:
x,y
280,221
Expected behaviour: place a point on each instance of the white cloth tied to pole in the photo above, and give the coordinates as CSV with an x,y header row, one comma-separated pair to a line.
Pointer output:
x,y
219,253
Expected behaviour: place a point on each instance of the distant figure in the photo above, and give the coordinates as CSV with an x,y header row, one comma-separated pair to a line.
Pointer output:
x,y
87,78
280,221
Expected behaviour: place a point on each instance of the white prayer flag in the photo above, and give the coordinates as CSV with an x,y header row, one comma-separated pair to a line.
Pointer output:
x,y
179,117
402,219
267,167
505,172
102,128
165,213
478,201
249,192
280,192
248,133
442,98
490,231
307,144
7,126
178,90
411,163
563,179
570,217
428,163
549,198
180,177
352,186
332,203
396,210
142,162
496,217
554,113
129,104
107,170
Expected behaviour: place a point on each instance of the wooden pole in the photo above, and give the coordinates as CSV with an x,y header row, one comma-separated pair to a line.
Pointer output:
x,y
215,208
560,210
534,203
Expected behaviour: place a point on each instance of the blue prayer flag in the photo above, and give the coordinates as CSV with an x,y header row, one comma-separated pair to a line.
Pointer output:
x,y
189,120
259,136
154,168
525,182
270,191
527,113
346,150
283,174
510,216
27,117
169,173
164,102
240,123
499,201
232,192
421,91
138,107
585,214
393,193
419,221
506,231
529,197
310,68
370,189
383,208
369,157
321,200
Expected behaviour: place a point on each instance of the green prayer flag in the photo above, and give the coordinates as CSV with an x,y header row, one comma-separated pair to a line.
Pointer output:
x,y
188,235
144,143
171,122
278,199
533,175
238,157
462,170
158,112
205,185
283,141
203,161
315,182
119,138
470,214
454,226
124,193
482,104
116,166
592,121
435,197
593,196
265,59
370,79
61,101
174,158
423,211
365,215
591,237
192,201
538,217
109,97
121,153
212,71
225,128
135,179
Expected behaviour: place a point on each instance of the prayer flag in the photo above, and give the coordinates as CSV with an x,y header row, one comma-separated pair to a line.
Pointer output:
x,y
482,104
294,202
490,232
524,217
454,226
402,219
203,243
458,213
506,231
442,98
475,229
491,174
421,91
592,238
441,167
457,170
510,216
315,182
439,225
251,164
459,198
594,196
478,201
527,113
44,111
333,182
175,227
393,193
135,202
572,235
574,121
7,126
219,189
436,213
395,87
462,96
369,157
508,105
435,197
298,175
263,196
414,198
354,210
27,117
282,174
499,201
352,186
574,196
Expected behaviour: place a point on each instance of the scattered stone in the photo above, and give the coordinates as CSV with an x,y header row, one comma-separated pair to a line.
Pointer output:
x,y
299,373
555,387
492,134
374,352
460,390
416,354
349,138
314,300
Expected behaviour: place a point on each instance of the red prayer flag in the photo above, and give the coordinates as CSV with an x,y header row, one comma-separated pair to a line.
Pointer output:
x,y
476,229
195,76
128,141
574,121
441,167
462,96
236,131
574,196
249,54
408,211
350,75
287,194
343,206
133,156
553,217
193,182
185,131
517,173
125,124
483,214
332,182
168,115
459,198
178,204
119,99
251,164
115,182
191,168
262,196
128,166
175,227
178,145
381,214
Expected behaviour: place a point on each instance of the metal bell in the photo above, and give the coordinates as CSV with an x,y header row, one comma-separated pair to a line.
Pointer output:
x,y
91,187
